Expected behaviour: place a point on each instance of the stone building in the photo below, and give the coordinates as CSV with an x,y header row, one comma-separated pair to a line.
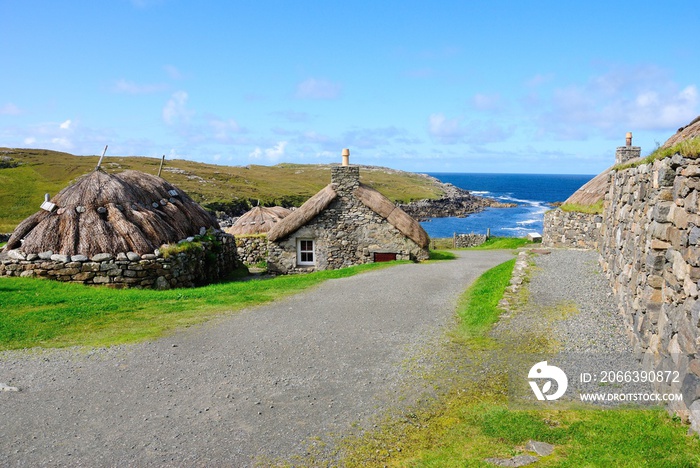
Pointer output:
x,y
344,224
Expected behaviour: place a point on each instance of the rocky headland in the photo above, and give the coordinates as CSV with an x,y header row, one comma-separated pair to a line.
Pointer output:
x,y
455,202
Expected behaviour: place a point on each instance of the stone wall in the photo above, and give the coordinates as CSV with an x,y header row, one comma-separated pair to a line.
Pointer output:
x,y
650,248
571,229
193,267
346,233
252,249
461,241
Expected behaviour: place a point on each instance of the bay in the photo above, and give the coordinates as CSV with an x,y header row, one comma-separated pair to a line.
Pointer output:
x,y
532,193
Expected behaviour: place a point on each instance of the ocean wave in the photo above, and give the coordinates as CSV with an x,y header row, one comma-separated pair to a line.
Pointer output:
x,y
479,192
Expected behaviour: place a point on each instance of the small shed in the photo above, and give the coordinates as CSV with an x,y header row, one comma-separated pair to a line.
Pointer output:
x,y
346,223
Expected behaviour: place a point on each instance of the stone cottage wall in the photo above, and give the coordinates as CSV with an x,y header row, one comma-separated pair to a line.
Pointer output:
x,y
650,249
346,233
572,229
194,267
252,249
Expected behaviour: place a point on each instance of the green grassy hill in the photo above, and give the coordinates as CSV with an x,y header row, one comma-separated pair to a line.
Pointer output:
x,y
226,188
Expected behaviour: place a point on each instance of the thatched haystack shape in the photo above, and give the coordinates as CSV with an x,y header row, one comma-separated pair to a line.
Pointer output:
x,y
112,213
259,220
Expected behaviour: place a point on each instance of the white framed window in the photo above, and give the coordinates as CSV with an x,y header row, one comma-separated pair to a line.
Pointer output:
x,y
305,252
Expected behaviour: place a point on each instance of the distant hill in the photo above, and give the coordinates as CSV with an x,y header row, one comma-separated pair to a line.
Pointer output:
x,y
27,174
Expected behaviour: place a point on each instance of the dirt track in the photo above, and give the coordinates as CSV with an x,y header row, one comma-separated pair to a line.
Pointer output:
x,y
258,383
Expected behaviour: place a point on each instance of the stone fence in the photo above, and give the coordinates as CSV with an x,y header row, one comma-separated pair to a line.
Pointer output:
x,y
650,249
461,241
252,249
201,262
572,229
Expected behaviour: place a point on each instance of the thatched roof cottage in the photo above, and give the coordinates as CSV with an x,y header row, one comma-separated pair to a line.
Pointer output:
x,y
111,213
109,229
344,224
259,220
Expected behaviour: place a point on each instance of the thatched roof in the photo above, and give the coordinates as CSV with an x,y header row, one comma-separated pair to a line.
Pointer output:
x,y
369,197
258,220
692,130
305,213
592,191
397,217
112,213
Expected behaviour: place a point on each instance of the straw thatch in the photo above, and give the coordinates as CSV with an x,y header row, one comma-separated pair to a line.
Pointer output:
x,y
397,217
112,213
305,213
592,191
692,130
259,220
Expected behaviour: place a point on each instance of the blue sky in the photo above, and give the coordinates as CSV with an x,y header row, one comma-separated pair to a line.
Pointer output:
x,y
446,86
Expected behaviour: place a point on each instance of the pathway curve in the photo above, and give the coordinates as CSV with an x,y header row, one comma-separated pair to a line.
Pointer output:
x,y
254,384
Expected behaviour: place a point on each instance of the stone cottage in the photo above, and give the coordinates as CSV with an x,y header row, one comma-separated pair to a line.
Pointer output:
x,y
345,224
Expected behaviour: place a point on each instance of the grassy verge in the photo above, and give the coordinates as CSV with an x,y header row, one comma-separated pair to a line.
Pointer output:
x,y
478,307
494,243
688,149
441,255
596,208
52,314
470,419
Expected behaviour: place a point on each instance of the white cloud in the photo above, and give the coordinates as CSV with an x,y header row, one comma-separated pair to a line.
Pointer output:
x,y
620,100
445,130
10,109
272,154
487,102
29,141
452,131
173,72
223,130
65,125
175,110
313,88
129,87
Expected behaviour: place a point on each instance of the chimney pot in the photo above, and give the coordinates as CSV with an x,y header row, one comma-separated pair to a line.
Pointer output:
x,y
628,138
346,157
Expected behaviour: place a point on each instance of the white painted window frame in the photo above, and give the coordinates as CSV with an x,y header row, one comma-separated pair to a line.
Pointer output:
x,y
301,262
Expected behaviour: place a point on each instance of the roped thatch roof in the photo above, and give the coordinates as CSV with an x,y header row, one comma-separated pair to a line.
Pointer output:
x,y
397,217
305,213
258,220
592,191
372,199
111,213
692,130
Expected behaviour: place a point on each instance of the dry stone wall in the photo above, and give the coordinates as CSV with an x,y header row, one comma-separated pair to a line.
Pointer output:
x,y
461,241
572,229
193,267
650,248
252,249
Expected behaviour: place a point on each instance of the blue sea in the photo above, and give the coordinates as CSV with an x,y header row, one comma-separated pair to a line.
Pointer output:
x,y
533,194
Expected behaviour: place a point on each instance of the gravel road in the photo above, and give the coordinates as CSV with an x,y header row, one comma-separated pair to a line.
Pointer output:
x,y
252,386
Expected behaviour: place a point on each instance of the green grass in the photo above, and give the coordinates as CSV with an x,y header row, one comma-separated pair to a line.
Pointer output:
x,y
493,243
470,419
596,208
53,314
442,255
688,149
502,243
478,307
